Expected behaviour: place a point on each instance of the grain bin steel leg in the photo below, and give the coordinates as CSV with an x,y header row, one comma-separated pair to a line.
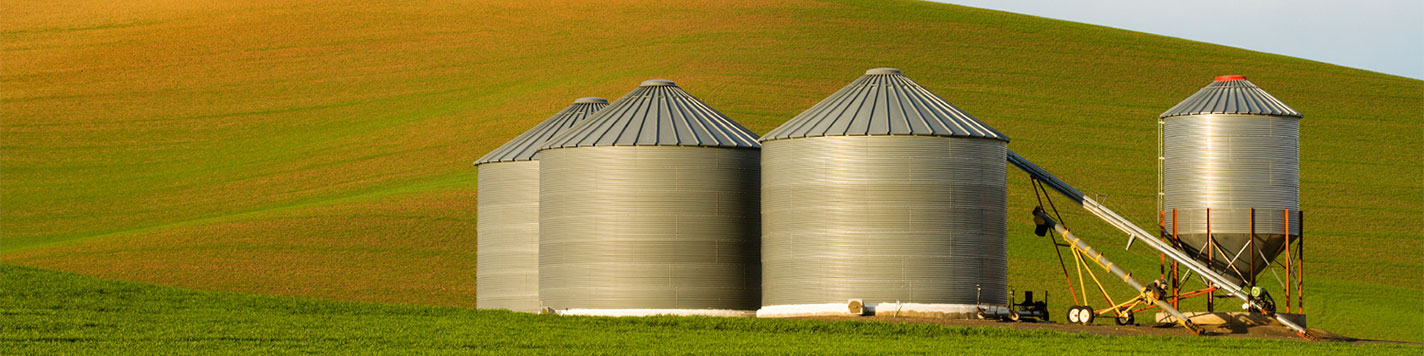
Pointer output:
x,y
1153,295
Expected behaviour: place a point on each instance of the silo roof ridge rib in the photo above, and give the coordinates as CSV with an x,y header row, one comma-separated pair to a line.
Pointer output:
x,y
657,113
525,147
880,103
1233,96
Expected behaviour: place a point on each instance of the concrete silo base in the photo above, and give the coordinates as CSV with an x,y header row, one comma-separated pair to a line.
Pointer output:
x,y
654,312
891,309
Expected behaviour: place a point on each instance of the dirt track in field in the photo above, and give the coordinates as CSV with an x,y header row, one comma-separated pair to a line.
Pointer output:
x,y
1265,332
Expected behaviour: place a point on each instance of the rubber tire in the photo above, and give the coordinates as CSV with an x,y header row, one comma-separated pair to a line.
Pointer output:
x,y
1087,316
1073,315
1129,320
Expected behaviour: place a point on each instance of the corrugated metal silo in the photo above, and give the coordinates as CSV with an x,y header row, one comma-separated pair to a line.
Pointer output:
x,y
507,272
1231,147
650,207
886,194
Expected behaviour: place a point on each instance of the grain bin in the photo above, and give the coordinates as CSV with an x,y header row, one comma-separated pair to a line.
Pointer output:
x,y
650,207
1227,151
507,272
887,196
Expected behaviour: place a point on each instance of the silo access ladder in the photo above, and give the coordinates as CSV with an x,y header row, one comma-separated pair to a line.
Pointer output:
x,y
1134,234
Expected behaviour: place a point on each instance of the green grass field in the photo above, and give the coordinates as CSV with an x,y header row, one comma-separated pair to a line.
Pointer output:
x,y
48,312
323,149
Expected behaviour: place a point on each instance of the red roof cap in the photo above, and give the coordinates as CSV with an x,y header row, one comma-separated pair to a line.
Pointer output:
x,y
1227,78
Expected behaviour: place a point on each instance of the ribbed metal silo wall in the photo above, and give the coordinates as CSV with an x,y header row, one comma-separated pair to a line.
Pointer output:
x,y
507,272
1230,164
914,219
650,227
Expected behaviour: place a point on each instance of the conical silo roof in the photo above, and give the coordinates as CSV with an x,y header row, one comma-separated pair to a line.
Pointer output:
x,y
1231,94
883,102
657,113
526,145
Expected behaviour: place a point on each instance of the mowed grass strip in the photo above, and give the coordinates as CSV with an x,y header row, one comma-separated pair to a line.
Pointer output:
x,y
48,312
254,146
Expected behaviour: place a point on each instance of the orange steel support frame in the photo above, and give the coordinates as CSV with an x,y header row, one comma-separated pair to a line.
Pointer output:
x,y
1285,216
1251,245
1162,257
1176,278
1294,260
1210,254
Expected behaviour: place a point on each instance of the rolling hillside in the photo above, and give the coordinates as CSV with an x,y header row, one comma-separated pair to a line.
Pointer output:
x,y
323,149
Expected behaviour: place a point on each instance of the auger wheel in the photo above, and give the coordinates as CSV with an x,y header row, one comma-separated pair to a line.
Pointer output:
x,y
1125,319
1081,314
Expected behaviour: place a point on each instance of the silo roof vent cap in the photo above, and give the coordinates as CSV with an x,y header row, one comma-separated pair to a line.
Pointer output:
x,y
657,83
874,71
590,100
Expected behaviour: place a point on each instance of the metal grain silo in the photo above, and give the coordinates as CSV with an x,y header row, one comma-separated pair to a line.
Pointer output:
x,y
887,195
650,207
507,272
1228,149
